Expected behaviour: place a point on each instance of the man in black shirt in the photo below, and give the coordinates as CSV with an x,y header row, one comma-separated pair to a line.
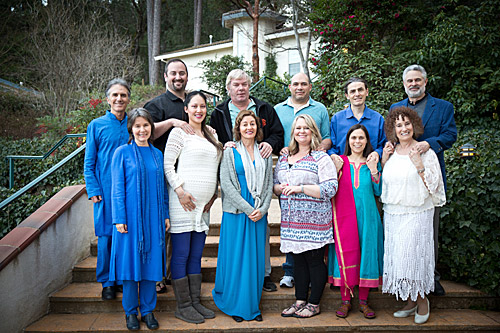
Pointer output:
x,y
167,109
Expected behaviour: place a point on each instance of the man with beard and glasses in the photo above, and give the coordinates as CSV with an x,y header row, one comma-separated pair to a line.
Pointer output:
x,y
440,132
167,111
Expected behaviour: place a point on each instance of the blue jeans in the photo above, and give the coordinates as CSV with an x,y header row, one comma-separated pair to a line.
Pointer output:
x,y
288,265
187,249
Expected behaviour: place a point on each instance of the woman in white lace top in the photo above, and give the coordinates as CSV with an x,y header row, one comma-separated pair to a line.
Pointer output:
x,y
191,164
412,186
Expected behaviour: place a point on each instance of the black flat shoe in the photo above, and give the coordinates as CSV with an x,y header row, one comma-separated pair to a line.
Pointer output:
x,y
108,293
150,321
119,288
237,319
258,318
132,322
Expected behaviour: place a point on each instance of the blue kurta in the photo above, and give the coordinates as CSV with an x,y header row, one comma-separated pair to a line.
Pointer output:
x,y
240,262
126,261
370,229
104,135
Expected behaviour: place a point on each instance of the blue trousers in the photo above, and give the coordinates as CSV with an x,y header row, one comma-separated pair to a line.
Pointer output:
x,y
187,249
103,256
131,293
288,264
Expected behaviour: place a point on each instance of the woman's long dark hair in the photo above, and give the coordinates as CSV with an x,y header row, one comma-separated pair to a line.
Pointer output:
x,y
368,147
206,133
133,115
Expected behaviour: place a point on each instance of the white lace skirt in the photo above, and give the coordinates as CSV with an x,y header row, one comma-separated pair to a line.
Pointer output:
x,y
408,254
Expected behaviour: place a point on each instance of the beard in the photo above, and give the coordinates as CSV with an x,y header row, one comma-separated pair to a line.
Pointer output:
x,y
415,94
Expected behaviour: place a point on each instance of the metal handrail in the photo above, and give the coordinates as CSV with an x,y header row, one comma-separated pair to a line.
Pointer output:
x,y
215,96
42,176
10,158
265,78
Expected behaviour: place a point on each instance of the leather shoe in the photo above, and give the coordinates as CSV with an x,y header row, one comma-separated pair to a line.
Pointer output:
x,y
150,321
119,288
420,319
258,318
108,293
237,319
438,289
132,322
405,313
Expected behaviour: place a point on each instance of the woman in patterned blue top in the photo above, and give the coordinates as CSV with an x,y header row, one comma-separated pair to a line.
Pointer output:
x,y
306,180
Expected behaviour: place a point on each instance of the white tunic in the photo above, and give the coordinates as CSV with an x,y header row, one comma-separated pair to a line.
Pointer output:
x,y
196,171
408,222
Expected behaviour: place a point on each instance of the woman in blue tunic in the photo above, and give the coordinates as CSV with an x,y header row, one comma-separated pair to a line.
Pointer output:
x,y
246,184
140,214
359,231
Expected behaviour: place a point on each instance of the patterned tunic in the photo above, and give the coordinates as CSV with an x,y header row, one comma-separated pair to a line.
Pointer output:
x,y
306,222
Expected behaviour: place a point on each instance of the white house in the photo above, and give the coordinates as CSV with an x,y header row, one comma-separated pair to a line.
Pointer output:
x,y
273,37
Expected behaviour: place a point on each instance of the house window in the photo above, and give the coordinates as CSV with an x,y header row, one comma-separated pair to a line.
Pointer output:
x,y
293,62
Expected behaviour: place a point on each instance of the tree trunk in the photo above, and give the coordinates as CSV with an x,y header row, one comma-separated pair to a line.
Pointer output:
x,y
255,41
304,59
197,22
156,40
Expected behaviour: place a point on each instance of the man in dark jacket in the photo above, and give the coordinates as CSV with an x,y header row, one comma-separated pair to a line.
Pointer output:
x,y
223,118
224,115
440,133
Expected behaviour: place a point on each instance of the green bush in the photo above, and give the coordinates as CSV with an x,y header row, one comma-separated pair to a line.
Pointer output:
x,y
469,232
215,72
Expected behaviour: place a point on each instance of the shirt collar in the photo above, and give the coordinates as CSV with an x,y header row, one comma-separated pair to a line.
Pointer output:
x,y
350,114
252,103
289,103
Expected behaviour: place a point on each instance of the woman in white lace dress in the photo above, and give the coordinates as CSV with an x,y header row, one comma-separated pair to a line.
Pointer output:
x,y
412,186
191,165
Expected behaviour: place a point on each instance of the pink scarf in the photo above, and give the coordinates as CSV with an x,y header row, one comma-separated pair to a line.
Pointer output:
x,y
346,229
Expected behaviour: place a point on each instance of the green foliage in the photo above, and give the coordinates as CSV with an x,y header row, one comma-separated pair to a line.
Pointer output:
x,y
381,70
271,92
216,71
463,54
469,233
271,65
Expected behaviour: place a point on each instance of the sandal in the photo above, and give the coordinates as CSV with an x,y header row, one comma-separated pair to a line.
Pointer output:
x,y
161,288
290,311
313,311
344,309
367,312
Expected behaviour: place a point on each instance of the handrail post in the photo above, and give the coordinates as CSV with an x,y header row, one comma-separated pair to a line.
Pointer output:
x,y
11,173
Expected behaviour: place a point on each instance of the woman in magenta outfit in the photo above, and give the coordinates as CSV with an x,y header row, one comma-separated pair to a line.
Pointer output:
x,y
140,215
357,256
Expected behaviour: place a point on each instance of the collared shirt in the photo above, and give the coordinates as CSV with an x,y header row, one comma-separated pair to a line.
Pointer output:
x,y
233,110
287,113
163,107
342,121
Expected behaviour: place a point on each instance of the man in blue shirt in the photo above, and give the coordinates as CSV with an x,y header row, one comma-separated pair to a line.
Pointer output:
x,y
299,103
356,90
104,135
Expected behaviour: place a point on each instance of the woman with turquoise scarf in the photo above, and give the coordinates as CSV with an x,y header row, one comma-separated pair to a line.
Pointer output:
x,y
357,256
140,215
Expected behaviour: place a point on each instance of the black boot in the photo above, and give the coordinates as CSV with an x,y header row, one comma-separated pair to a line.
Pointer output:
x,y
150,321
185,310
195,290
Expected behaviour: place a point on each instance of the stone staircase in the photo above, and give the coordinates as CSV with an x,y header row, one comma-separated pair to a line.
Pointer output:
x,y
78,307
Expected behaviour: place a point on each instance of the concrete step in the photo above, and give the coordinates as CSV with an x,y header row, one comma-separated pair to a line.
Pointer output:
x,y
212,243
86,298
441,320
84,271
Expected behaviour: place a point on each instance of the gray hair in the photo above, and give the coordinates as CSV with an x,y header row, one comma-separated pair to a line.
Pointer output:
x,y
236,74
415,67
117,81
